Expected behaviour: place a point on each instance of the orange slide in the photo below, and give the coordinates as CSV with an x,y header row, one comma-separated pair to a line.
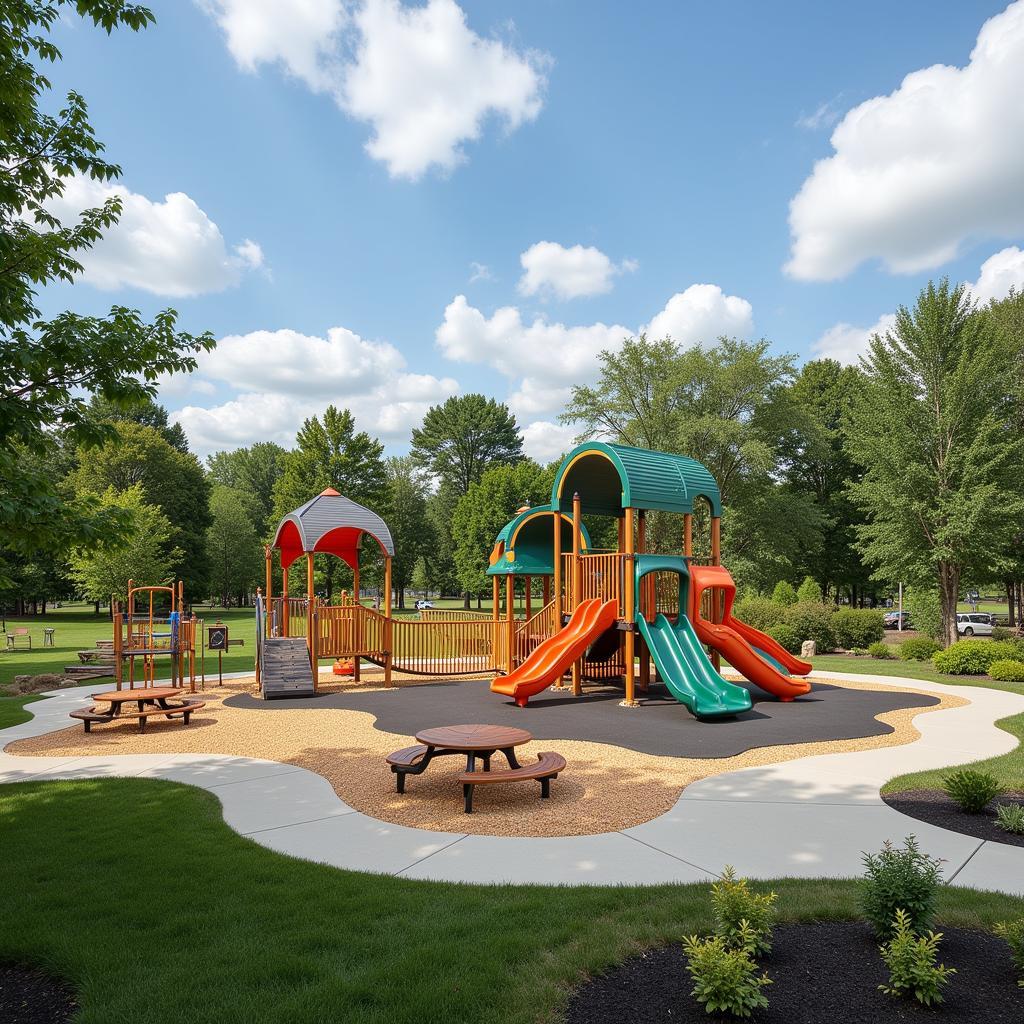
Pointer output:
x,y
752,653
551,659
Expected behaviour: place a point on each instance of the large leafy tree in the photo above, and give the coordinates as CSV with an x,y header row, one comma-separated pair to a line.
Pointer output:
x,y
171,480
485,508
330,452
48,367
144,552
407,519
253,471
146,412
233,547
932,425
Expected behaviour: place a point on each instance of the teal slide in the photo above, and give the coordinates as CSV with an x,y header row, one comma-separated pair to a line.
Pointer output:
x,y
687,671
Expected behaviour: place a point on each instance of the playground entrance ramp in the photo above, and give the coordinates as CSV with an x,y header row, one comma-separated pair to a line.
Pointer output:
x,y
285,669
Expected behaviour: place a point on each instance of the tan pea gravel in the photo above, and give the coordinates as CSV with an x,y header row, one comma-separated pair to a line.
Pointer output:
x,y
604,788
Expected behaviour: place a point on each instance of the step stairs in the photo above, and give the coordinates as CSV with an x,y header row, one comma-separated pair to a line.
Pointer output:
x,y
285,670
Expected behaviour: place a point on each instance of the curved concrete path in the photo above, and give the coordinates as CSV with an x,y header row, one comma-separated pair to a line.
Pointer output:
x,y
807,818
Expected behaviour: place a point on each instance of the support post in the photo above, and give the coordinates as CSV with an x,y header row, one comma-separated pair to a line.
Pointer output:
x,y
716,559
528,597
510,596
285,616
495,619
630,616
688,534
577,586
559,603
269,589
389,626
310,616
358,632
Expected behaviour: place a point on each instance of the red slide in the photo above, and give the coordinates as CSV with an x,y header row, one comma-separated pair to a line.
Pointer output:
x,y
550,660
748,650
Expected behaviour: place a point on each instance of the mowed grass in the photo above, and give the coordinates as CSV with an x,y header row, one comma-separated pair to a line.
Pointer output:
x,y
139,894
908,669
12,710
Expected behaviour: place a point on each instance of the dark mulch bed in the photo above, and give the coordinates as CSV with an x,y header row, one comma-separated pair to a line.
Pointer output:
x,y
28,996
933,806
826,972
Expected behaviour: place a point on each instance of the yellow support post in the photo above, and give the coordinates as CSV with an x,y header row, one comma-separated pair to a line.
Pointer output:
x,y
510,596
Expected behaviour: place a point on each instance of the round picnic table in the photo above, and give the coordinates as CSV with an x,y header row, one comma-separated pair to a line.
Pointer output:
x,y
474,741
158,695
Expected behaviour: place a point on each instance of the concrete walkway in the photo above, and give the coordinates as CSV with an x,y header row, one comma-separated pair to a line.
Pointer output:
x,y
808,818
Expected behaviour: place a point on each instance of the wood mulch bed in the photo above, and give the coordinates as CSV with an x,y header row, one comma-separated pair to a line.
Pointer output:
x,y
934,807
29,996
821,972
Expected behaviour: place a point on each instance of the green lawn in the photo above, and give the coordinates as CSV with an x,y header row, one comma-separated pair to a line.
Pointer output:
x,y
12,710
139,894
913,669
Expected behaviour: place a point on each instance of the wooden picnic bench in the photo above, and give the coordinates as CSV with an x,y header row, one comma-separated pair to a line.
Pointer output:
x,y
96,714
543,770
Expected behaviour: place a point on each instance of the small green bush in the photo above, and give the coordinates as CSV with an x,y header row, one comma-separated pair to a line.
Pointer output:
x,y
1013,932
760,612
919,648
810,590
735,906
1007,670
879,650
786,636
812,621
857,627
911,962
1001,633
925,611
971,789
1010,818
899,879
784,593
973,657
724,980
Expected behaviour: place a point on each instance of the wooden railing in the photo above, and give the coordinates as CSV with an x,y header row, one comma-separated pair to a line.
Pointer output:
x,y
444,647
347,629
600,576
450,614
529,634
287,616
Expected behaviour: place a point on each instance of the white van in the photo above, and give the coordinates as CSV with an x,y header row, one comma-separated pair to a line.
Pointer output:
x,y
975,624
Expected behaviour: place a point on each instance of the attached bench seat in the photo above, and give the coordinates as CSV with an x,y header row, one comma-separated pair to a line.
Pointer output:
x,y
96,714
543,770
405,762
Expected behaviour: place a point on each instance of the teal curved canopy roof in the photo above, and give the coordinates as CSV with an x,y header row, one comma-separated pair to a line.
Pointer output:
x,y
613,477
528,546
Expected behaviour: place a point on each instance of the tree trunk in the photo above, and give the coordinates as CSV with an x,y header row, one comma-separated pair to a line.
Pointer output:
x,y
949,592
96,605
466,600
1011,603
400,598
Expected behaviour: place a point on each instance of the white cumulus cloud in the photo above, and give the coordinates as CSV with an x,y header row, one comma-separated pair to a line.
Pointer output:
x,y
546,441
846,343
920,171
167,248
701,314
568,273
422,79
999,273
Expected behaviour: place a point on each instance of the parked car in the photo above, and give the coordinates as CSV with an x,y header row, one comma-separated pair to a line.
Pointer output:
x,y
421,604
974,624
896,620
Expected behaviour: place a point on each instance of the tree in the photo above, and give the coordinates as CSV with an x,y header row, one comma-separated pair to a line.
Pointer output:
x,y
253,471
171,480
146,412
143,552
809,591
485,508
407,519
233,548
932,424
330,453
784,593
459,440
48,368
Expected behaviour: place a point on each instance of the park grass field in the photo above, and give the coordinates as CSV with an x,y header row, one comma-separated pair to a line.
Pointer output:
x,y
214,928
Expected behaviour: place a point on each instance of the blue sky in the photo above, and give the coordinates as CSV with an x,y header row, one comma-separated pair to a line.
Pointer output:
x,y
657,147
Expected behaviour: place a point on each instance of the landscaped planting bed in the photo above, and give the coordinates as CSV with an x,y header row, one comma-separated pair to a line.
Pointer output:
x,y
936,808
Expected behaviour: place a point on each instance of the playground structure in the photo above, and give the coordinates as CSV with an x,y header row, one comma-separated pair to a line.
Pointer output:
x,y
144,635
648,609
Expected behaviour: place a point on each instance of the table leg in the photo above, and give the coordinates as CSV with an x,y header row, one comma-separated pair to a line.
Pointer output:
x,y
471,761
510,756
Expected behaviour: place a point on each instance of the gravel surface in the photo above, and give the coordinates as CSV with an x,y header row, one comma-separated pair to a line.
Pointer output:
x,y
605,787
821,973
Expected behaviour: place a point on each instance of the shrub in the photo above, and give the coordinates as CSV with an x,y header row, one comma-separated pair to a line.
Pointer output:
x,y
812,621
809,590
1010,818
784,593
1013,932
1007,670
973,657
760,612
857,627
899,879
1001,633
785,636
911,962
724,980
858,652
972,790
735,906
925,611
919,648
879,650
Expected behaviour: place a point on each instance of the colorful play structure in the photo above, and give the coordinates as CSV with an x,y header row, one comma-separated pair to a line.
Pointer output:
x,y
153,624
605,615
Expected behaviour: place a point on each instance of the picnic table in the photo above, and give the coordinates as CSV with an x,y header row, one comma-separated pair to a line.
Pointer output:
x,y
143,695
151,700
